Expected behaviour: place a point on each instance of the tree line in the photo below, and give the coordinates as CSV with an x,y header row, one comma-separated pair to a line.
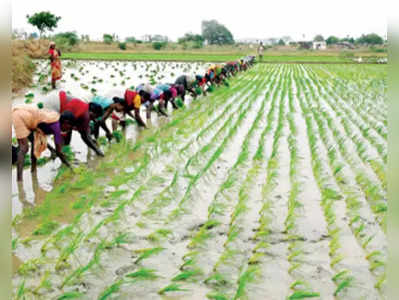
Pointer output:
x,y
212,33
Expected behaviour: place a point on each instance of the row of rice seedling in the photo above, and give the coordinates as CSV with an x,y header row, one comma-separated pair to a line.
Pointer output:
x,y
346,117
374,113
216,210
364,123
344,277
226,115
371,87
372,191
217,153
358,224
247,262
329,195
301,288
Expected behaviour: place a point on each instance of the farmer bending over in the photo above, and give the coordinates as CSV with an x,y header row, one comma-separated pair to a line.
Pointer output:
x,y
33,124
75,116
100,106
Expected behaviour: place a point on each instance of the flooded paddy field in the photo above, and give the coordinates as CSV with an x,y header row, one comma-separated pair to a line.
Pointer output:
x,y
271,188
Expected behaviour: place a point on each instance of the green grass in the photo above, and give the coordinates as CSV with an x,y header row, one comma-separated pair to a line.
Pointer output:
x,y
201,57
161,56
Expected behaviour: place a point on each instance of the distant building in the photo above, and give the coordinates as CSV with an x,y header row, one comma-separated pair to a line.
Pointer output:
x,y
320,45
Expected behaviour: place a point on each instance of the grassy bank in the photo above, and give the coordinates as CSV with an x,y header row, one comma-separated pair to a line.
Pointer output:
x,y
159,56
212,57
206,57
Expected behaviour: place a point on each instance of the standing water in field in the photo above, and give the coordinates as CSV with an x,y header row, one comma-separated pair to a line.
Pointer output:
x,y
271,188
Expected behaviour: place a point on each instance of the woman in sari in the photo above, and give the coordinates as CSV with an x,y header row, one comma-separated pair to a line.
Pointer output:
x,y
33,124
55,63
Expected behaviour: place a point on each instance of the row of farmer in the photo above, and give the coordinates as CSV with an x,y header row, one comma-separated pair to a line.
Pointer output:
x,y
59,113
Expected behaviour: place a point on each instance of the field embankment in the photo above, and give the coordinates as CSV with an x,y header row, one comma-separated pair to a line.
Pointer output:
x,y
22,66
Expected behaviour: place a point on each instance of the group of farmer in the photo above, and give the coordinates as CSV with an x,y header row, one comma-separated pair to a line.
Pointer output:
x,y
59,113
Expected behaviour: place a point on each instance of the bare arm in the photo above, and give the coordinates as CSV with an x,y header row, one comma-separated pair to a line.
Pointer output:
x,y
59,153
137,117
107,113
88,141
107,131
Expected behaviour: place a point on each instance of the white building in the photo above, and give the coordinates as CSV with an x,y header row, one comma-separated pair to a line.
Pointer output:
x,y
322,45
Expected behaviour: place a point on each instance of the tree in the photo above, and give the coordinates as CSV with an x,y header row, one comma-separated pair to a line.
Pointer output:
x,y
195,41
331,40
370,39
318,38
43,21
107,38
216,33
281,42
348,39
191,37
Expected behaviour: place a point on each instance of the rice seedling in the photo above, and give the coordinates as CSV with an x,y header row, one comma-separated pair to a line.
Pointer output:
x,y
46,228
216,296
187,275
380,282
143,274
174,287
146,253
112,289
303,294
247,277
344,283
70,295
21,291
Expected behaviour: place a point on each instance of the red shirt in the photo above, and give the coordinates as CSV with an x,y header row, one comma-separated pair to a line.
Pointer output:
x,y
129,98
77,107
80,110
63,100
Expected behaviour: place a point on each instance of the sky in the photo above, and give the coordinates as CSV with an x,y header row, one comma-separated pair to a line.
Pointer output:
x,y
245,18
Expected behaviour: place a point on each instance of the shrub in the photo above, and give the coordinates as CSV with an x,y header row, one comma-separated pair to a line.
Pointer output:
x,y
122,46
107,38
159,45
70,37
63,44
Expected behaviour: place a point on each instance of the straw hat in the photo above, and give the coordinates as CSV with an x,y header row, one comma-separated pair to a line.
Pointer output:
x,y
52,43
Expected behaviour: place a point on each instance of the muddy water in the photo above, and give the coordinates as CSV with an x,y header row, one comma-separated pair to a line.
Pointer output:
x,y
161,209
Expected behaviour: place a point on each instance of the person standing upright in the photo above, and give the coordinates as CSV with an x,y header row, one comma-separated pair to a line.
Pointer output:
x,y
260,51
55,63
